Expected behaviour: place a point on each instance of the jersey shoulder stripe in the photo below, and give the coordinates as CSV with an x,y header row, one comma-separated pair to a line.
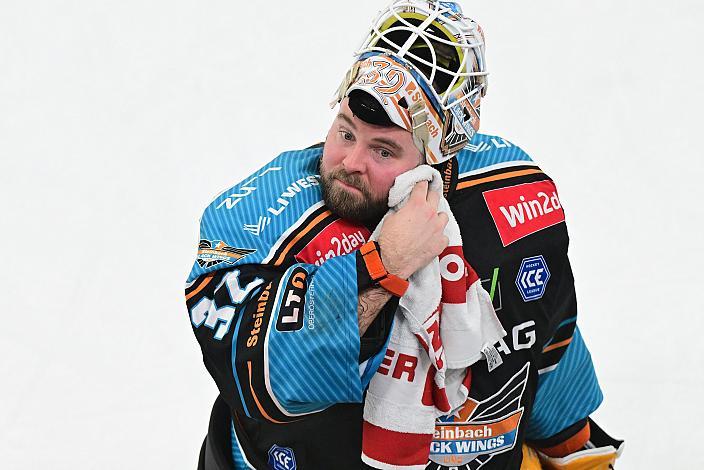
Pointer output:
x,y
556,346
490,159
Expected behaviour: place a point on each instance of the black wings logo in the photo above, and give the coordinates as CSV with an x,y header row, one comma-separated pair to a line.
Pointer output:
x,y
212,253
480,429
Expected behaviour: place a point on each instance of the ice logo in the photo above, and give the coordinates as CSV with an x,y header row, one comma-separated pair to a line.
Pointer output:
x,y
533,277
281,458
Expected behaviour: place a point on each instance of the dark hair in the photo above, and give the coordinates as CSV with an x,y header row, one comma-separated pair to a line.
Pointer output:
x,y
368,109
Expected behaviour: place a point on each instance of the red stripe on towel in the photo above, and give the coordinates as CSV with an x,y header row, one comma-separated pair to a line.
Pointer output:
x,y
395,448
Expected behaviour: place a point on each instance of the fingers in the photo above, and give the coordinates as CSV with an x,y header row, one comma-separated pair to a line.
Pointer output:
x,y
439,224
445,243
433,199
419,192
444,219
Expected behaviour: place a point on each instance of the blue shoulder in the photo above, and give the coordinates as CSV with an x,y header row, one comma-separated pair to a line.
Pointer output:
x,y
244,223
488,152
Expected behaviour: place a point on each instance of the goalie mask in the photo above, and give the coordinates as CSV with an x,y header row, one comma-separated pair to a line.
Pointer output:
x,y
423,62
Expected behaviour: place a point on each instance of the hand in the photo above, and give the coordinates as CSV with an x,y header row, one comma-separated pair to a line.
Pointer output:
x,y
411,237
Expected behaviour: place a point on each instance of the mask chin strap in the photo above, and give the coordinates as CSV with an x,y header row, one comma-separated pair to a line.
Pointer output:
x,y
421,136
350,77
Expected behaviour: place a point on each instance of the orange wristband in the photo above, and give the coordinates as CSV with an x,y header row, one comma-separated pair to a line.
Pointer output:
x,y
377,271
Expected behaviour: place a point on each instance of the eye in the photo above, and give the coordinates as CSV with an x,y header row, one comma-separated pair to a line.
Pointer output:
x,y
385,154
346,135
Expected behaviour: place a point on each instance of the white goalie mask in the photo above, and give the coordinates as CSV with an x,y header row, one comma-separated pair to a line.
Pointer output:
x,y
433,45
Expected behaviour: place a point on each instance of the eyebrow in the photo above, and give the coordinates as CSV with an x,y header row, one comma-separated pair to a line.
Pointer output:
x,y
347,120
379,140
389,143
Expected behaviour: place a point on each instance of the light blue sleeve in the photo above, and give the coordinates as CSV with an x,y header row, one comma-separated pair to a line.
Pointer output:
x,y
566,394
317,365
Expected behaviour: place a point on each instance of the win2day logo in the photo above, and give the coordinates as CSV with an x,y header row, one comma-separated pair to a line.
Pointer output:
x,y
524,209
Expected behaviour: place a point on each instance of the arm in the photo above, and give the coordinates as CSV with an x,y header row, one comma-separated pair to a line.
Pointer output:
x,y
281,344
581,446
370,304
409,239
568,392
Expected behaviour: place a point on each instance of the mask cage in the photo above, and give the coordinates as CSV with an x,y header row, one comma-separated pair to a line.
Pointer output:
x,y
439,42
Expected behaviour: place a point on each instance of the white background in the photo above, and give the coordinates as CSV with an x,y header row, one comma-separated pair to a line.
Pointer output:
x,y
119,121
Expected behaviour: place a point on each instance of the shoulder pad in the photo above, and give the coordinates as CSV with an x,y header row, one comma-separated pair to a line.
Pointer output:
x,y
487,153
243,224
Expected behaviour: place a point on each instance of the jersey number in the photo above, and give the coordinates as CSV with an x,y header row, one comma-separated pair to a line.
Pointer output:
x,y
205,312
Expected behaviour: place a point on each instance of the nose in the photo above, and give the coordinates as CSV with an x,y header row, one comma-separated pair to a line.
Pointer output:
x,y
356,159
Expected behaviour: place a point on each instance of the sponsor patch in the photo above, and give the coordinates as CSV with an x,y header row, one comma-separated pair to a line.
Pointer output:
x,y
291,311
281,458
258,228
258,320
450,174
213,253
522,210
338,238
292,190
533,277
242,190
496,143
479,430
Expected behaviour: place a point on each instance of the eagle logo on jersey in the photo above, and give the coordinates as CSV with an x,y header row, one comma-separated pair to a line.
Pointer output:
x,y
479,430
213,253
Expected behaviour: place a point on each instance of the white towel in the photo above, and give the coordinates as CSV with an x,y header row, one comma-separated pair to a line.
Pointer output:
x,y
441,326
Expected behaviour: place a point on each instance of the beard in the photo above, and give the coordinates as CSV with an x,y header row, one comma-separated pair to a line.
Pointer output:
x,y
361,208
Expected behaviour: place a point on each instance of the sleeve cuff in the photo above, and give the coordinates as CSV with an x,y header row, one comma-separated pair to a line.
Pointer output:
x,y
364,280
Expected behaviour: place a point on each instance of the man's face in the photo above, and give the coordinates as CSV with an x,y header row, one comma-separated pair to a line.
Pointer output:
x,y
360,163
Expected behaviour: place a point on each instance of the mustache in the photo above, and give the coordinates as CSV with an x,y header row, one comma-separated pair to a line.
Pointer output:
x,y
350,179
